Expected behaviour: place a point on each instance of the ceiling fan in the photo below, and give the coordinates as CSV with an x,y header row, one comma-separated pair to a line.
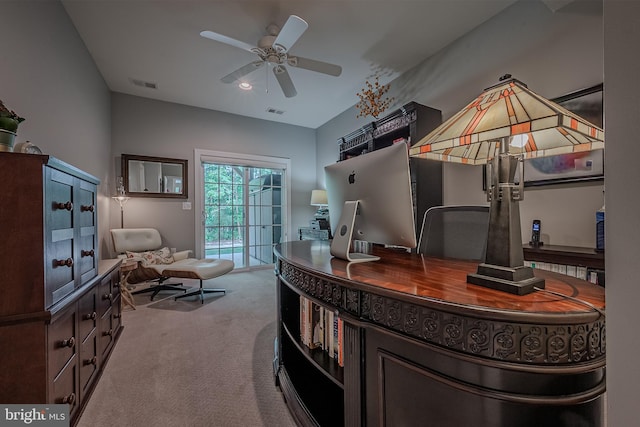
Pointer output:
x,y
273,48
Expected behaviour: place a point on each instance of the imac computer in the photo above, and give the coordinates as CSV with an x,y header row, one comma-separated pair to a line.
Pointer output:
x,y
370,199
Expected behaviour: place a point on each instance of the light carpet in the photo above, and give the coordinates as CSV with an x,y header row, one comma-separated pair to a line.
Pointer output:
x,y
183,363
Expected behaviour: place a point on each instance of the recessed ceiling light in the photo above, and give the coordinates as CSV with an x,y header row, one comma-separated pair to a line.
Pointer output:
x,y
245,86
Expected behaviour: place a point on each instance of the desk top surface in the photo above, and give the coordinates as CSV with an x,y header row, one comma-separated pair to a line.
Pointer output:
x,y
443,281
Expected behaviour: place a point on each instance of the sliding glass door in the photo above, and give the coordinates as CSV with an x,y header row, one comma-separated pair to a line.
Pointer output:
x,y
243,210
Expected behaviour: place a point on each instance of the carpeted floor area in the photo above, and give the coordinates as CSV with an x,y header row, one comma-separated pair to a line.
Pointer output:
x,y
183,363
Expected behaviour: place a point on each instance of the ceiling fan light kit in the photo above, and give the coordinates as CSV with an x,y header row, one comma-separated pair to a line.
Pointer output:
x,y
273,49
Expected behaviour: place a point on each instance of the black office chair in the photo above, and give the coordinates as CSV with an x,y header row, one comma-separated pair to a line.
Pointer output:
x,y
458,232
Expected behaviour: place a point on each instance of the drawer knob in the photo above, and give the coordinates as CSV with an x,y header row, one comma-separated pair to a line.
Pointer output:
x,y
91,361
108,333
69,399
84,253
84,208
107,296
63,262
68,343
117,315
66,206
91,316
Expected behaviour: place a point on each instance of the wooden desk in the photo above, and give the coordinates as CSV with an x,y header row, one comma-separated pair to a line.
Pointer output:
x,y
423,345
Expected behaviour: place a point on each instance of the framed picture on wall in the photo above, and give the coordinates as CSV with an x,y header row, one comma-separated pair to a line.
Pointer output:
x,y
574,167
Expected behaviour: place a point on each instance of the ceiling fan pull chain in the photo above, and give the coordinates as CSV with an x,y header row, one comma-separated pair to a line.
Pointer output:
x,y
267,78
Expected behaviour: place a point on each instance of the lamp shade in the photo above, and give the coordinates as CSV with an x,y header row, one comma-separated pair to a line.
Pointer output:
x,y
529,124
319,198
506,124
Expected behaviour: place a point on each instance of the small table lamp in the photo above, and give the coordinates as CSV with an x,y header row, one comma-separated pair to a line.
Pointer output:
x,y
501,127
319,198
122,199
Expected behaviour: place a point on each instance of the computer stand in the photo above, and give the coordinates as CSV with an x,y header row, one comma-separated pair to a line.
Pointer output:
x,y
341,243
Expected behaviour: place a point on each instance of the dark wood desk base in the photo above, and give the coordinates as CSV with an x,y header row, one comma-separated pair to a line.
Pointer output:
x,y
423,347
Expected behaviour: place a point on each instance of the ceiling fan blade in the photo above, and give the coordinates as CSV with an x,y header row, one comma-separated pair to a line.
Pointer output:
x,y
313,65
242,71
290,33
284,80
227,40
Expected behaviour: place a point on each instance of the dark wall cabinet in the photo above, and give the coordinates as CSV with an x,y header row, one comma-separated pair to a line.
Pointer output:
x,y
60,311
407,125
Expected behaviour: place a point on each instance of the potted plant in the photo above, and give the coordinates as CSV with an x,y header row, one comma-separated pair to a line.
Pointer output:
x,y
9,122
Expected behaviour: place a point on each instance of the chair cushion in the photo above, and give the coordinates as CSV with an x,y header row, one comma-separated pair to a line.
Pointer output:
x,y
192,268
135,239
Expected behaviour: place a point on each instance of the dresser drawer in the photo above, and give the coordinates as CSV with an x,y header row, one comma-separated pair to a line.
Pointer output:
x,y
106,294
64,388
87,314
62,340
108,329
88,362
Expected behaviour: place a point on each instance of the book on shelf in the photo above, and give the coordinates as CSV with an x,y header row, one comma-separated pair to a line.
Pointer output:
x,y
303,322
334,330
581,272
321,328
317,329
329,317
340,346
593,275
306,321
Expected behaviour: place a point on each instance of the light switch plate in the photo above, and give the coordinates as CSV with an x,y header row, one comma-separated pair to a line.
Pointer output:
x,y
186,206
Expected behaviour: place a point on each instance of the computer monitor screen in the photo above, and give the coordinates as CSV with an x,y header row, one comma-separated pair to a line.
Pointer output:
x,y
370,199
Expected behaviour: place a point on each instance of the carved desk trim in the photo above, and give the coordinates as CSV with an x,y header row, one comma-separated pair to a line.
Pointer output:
x,y
531,338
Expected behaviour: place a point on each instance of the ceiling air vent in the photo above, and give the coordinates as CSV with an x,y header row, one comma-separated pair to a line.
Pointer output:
x,y
274,111
142,83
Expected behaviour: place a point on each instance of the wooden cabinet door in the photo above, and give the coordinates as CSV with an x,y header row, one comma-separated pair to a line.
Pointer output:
x,y
87,229
59,235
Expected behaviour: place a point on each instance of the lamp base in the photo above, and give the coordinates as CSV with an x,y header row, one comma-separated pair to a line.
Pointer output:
x,y
518,280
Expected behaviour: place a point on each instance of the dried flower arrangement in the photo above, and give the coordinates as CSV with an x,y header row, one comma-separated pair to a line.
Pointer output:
x,y
371,101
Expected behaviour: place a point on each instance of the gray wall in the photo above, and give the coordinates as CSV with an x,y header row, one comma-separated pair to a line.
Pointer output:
x,y
48,77
622,36
554,54
155,128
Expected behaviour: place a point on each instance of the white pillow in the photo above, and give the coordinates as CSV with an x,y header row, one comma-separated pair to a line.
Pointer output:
x,y
161,256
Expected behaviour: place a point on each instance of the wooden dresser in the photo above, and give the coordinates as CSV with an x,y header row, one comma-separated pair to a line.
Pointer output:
x,y
60,308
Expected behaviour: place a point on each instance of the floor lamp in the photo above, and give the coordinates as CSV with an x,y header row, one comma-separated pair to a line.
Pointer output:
x,y
122,199
501,127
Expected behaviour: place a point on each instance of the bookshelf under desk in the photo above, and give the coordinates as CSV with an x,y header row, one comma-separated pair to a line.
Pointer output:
x,y
584,263
568,255
422,344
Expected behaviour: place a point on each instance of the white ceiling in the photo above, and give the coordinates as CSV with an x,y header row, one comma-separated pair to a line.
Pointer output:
x,y
158,41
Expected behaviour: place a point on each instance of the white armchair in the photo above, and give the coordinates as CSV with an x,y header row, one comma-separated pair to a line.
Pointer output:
x,y
158,264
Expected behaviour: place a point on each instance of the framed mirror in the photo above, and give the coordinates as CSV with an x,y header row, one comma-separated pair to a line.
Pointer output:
x,y
145,176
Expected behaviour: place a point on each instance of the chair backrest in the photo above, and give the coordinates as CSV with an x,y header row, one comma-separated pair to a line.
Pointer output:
x,y
458,232
135,239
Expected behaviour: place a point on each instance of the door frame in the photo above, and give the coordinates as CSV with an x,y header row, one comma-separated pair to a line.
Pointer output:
x,y
223,157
